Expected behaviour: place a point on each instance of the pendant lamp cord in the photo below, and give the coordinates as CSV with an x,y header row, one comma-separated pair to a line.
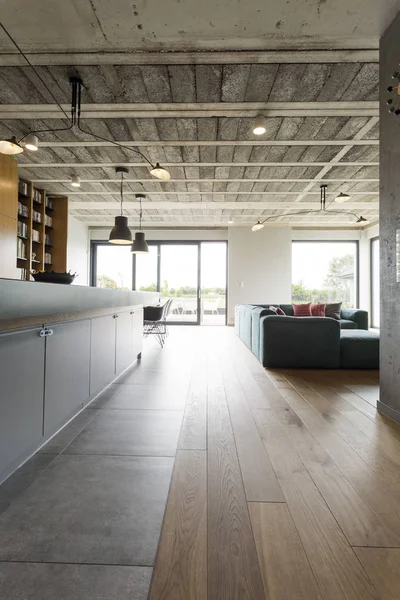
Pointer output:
x,y
122,190
322,208
75,118
140,214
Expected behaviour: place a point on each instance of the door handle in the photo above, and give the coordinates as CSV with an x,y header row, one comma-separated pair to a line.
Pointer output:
x,y
46,332
132,312
115,316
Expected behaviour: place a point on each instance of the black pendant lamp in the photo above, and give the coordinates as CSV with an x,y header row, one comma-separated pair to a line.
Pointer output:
x,y
139,245
120,233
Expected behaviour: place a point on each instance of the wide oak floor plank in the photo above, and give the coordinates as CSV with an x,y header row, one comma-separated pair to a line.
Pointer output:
x,y
233,569
180,571
194,427
259,479
383,567
284,565
336,568
359,523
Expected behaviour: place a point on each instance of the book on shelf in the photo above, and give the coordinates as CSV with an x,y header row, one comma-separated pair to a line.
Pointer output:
x,y
22,210
22,273
21,248
36,216
35,235
47,258
47,239
49,203
37,197
22,229
23,187
48,220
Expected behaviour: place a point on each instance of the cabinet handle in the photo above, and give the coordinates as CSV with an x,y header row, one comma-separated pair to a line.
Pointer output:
x,y
45,332
132,312
115,316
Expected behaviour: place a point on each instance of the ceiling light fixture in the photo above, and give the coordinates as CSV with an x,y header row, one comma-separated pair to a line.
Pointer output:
x,y
257,226
230,222
139,245
32,142
160,173
76,181
13,146
321,210
10,147
342,198
260,125
121,234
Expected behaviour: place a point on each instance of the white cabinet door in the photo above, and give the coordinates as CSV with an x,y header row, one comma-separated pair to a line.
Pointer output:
x,y
102,352
21,396
67,372
137,333
124,347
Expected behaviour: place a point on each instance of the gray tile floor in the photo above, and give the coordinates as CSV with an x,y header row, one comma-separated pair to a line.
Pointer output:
x,y
81,520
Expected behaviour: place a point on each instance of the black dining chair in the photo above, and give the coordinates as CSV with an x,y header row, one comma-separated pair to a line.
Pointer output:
x,y
154,321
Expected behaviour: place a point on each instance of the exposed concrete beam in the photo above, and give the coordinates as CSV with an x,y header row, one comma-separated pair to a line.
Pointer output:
x,y
259,206
190,143
238,180
196,193
197,110
102,165
190,58
212,224
338,157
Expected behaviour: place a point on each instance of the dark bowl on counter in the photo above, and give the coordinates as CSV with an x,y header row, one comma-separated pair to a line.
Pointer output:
x,y
54,277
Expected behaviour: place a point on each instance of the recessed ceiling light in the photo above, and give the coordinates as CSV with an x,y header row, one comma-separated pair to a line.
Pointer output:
x,y
230,221
260,125
75,181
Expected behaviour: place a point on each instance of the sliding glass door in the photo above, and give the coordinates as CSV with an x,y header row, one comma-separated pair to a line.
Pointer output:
x,y
193,275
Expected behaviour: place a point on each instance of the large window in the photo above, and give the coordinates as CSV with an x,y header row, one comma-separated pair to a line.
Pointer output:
x,y
192,274
375,283
325,272
112,267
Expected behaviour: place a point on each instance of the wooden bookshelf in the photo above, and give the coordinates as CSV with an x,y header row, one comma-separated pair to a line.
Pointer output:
x,y
8,215
42,231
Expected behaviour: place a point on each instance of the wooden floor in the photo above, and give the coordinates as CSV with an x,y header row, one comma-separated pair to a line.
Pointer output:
x,y
286,484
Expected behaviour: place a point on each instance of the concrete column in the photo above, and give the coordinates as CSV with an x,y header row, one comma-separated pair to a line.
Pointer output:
x,y
389,403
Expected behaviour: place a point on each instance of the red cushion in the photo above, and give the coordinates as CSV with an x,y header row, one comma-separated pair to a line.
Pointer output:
x,y
302,310
277,310
318,310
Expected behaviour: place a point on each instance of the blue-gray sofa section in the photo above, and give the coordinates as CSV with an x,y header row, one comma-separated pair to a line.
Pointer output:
x,y
300,342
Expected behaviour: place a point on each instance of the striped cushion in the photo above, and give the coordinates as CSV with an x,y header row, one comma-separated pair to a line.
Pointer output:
x,y
302,310
318,310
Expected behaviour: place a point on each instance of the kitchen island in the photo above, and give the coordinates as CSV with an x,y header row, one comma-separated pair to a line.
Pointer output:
x,y
53,365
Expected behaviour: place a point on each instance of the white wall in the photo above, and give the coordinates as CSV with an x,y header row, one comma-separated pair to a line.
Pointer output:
x,y
78,250
259,266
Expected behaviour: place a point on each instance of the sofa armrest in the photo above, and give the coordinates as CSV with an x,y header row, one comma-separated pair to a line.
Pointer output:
x,y
256,315
355,314
299,342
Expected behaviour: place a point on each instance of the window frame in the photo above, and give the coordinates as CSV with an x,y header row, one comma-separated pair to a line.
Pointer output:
x,y
357,273
93,266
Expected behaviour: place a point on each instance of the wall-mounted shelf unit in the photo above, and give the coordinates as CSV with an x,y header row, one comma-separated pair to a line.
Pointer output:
x,y
42,231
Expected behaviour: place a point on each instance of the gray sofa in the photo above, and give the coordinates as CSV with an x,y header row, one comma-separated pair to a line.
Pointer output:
x,y
302,342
